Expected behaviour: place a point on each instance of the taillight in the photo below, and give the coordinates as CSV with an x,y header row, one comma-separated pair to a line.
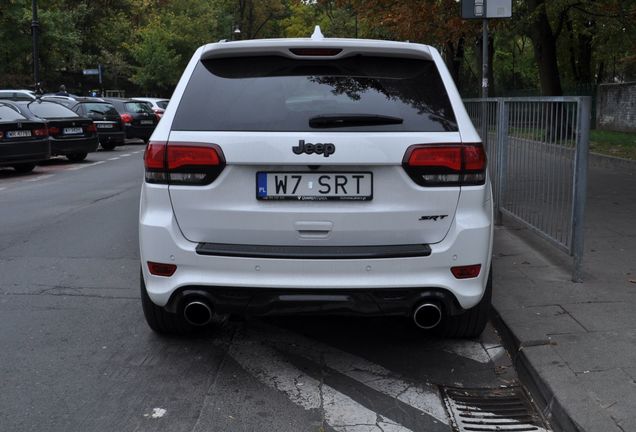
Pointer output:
x,y
182,163
126,118
446,165
41,132
466,272
53,130
2,134
90,128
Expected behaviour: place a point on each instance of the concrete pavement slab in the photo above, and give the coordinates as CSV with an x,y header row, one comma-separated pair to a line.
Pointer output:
x,y
575,343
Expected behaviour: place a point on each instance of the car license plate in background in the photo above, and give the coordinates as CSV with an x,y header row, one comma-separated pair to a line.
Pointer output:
x,y
314,186
73,131
104,125
19,134
146,122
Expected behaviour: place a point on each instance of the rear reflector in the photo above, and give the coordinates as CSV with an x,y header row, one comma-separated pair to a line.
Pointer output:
x,y
183,163
466,272
161,269
446,165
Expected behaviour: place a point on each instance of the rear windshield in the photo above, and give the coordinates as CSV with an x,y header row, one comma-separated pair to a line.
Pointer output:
x,y
100,109
49,110
8,114
272,93
138,107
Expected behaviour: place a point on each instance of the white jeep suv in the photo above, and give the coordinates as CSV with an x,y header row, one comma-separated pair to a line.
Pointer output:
x,y
325,176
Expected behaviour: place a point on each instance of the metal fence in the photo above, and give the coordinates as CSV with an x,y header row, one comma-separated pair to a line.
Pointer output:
x,y
537,150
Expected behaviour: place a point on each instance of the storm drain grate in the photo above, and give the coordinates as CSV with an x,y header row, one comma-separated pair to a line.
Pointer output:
x,y
486,410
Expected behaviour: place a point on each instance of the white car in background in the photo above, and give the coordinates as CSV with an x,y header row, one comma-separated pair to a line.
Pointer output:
x,y
158,105
318,176
24,95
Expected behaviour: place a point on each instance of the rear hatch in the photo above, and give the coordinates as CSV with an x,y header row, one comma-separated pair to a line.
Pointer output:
x,y
141,115
313,151
104,115
20,137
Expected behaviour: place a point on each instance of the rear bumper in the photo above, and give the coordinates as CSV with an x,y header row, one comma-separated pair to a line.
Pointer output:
x,y
111,137
24,152
267,301
74,145
139,132
468,242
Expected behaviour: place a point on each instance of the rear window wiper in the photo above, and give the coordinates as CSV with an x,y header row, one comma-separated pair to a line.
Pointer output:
x,y
348,120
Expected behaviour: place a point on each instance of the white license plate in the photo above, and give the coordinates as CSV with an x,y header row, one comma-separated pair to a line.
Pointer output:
x,y
314,186
19,134
146,122
73,131
104,125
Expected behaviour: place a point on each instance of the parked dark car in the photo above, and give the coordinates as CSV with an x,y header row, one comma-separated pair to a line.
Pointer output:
x,y
139,120
71,135
23,142
110,127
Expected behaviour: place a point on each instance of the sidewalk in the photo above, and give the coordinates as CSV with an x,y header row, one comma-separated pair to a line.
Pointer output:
x,y
576,343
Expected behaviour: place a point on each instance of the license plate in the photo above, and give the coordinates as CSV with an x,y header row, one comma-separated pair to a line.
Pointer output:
x,y
104,125
18,134
318,186
73,131
146,122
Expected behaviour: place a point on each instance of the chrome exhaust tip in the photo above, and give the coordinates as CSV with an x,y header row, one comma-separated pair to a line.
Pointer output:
x,y
427,316
197,313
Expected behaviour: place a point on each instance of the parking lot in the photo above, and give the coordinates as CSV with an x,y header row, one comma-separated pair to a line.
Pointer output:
x,y
78,356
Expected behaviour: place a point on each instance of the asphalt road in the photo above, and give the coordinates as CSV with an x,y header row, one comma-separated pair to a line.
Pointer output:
x,y
76,354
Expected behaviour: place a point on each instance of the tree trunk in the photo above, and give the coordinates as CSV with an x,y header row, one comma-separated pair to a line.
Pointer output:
x,y
545,50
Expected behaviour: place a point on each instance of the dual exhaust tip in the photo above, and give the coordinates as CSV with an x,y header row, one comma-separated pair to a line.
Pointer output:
x,y
427,316
199,313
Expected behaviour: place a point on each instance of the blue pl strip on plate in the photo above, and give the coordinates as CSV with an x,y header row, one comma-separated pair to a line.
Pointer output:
x,y
261,184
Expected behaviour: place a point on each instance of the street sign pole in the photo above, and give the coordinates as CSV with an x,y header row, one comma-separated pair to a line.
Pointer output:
x,y
484,54
35,25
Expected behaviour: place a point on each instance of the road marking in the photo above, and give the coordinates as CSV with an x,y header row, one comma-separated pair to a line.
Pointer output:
x,y
424,398
113,158
342,413
2,188
38,178
126,154
473,350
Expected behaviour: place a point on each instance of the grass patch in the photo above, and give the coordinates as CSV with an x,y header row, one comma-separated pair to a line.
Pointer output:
x,y
619,144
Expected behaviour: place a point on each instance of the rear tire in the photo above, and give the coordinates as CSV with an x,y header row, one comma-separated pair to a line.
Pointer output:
x,y
24,167
108,147
160,320
472,322
76,157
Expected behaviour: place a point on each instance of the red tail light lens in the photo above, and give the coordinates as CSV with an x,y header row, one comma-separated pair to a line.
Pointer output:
x,y
446,165
2,134
182,163
126,118
41,132
161,269
466,272
53,131
91,128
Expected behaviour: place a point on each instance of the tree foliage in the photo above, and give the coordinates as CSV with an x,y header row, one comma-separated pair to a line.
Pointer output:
x,y
144,45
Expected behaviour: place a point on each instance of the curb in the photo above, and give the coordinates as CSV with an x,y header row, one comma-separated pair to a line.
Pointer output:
x,y
541,391
597,160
